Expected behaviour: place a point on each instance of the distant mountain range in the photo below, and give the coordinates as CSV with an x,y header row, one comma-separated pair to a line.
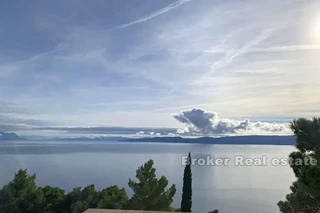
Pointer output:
x,y
252,139
111,138
10,136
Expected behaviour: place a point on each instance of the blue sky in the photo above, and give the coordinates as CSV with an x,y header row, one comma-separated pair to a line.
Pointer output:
x,y
135,63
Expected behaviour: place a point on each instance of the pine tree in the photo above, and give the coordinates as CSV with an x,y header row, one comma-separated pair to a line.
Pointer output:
x,y
150,193
305,195
186,202
21,195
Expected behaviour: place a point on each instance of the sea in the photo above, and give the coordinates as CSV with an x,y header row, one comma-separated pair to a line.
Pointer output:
x,y
231,178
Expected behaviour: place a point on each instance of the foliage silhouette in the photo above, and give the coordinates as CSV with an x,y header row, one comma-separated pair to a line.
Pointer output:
x,y
305,192
21,195
186,201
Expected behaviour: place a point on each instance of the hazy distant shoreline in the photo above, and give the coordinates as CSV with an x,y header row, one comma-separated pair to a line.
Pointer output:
x,y
240,140
233,140
229,140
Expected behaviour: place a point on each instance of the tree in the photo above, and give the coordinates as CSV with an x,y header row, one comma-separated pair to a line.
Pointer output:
x,y
150,193
186,202
54,199
305,163
81,200
113,198
21,195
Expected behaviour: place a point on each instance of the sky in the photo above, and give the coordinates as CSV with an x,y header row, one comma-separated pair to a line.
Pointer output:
x,y
192,66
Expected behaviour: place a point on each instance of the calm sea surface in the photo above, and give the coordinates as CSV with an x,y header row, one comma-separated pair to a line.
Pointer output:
x,y
231,189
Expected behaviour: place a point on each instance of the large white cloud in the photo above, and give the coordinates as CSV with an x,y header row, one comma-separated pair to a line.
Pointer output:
x,y
201,122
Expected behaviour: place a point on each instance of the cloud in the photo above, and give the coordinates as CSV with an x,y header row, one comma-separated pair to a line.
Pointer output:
x,y
11,120
231,54
10,128
141,133
201,122
287,48
84,74
9,123
14,117
154,14
154,134
112,130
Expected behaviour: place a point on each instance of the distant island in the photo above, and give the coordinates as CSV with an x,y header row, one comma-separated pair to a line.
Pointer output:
x,y
110,138
241,140
10,136
245,140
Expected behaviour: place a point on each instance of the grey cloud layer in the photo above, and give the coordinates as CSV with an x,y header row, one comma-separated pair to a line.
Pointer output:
x,y
11,123
110,130
15,118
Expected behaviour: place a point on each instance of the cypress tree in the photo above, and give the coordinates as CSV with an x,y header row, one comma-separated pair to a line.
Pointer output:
x,y
186,202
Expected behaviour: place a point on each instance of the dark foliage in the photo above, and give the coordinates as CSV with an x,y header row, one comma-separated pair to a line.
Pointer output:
x,y
150,193
305,192
21,195
186,202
